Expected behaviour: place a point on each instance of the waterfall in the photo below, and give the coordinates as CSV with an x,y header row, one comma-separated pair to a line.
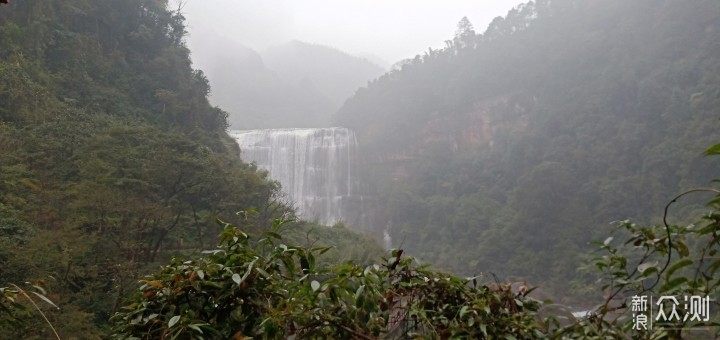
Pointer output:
x,y
316,168
387,240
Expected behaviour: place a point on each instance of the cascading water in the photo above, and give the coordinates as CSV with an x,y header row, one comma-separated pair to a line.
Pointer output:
x,y
316,168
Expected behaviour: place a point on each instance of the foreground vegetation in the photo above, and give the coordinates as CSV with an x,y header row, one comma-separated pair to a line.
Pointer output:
x,y
259,286
264,288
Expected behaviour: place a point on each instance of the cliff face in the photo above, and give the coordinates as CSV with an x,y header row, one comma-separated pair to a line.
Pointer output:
x,y
479,129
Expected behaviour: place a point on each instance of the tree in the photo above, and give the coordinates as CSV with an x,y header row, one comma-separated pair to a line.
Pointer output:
x,y
111,157
465,34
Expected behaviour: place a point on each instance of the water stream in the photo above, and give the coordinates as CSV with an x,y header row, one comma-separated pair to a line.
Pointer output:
x,y
316,168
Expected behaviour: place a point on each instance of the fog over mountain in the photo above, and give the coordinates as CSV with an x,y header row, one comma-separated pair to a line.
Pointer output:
x,y
312,57
333,72
289,85
393,30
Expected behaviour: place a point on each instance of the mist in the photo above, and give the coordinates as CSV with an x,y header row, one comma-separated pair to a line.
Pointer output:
x,y
391,30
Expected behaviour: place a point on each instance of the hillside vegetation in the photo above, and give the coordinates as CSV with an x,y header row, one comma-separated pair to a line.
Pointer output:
x,y
508,151
111,158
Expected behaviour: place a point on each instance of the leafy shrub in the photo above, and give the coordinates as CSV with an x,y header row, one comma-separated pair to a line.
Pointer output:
x,y
265,288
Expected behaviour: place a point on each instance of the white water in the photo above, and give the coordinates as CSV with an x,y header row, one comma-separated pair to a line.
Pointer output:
x,y
387,240
316,168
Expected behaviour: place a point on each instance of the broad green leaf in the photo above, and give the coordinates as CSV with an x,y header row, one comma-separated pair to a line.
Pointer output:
x,y
315,285
648,271
311,262
645,266
273,235
359,291
247,273
44,298
463,311
672,284
713,150
40,289
677,265
262,272
325,250
173,321
196,327
682,249
360,301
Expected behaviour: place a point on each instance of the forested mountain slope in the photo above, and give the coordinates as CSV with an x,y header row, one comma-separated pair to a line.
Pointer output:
x,y
111,158
508,151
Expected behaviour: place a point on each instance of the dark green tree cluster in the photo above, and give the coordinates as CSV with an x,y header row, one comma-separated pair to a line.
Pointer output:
x,y
508,151
111,158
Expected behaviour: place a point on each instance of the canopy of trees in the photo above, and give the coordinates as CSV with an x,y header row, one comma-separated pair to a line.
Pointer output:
x,y
261,287
111,158
508,151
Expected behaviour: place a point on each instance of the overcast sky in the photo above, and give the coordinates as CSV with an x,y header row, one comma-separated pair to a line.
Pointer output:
x,y
390,29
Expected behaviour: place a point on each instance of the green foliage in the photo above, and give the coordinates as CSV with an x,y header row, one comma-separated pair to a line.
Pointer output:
x,y
665,260
508,151
111,158
18,308
660,260
346,245
268,289
265,288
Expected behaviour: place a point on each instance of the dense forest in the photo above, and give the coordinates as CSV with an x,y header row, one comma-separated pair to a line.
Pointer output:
x,y
508,151
111,159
